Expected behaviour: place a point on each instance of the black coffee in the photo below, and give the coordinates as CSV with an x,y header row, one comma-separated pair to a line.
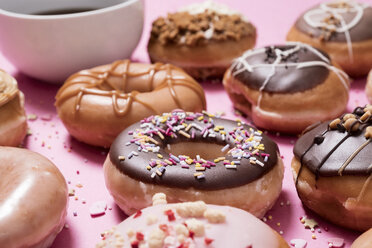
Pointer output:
x,y
63,11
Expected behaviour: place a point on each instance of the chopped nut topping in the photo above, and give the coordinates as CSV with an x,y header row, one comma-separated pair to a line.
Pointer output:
x,y
368,133
334,123
192,30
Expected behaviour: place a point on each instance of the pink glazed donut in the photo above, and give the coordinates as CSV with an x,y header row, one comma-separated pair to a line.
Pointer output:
x,y
33,199
191,224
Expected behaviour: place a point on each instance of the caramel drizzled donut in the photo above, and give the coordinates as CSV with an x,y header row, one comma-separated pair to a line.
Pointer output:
x,y
13,121
191,224
202,38
194,156
332,169
341,28
33,199
96,104
286,88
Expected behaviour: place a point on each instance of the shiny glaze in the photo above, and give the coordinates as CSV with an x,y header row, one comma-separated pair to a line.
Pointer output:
x,y
336,152
99,82
33,199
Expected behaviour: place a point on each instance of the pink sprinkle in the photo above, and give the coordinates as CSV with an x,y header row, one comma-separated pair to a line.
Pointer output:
x,y
173,162
161,130
46,117
192,134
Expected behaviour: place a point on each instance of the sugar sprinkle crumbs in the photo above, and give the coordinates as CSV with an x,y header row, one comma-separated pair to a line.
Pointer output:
x,y
308,223
241,142
168,229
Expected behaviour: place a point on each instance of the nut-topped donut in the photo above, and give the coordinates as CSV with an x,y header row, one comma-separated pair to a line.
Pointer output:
x,y
194,156
33,199
191,224
13,121
288,87
95,105
332,168
341,28
202,38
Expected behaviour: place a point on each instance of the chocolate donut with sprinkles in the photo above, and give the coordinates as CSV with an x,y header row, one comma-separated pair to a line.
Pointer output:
x,y
332,169
194,156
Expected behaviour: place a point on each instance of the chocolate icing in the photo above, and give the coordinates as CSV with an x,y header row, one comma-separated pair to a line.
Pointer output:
x,y
362,31
287,79
216,178
324,150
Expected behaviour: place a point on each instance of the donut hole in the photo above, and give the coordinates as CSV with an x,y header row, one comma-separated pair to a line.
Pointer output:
x,y
208,151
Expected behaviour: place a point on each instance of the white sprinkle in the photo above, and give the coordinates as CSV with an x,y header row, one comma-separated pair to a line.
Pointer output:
x,y
225,148
260,163
230,166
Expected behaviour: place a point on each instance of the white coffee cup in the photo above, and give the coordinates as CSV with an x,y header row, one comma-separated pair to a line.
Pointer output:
x,y
52,47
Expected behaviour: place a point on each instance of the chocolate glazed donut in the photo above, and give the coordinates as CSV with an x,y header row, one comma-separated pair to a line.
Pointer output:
x,y
332,169
342,29
95,105
286,88
194,156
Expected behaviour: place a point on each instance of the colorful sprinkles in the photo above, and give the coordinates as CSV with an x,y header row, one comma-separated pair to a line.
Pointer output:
x,y
242,143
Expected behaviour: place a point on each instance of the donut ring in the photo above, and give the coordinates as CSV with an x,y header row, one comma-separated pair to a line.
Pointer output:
x,y
332,169
342,29
190,159
191,224
95,105
286,88
369,86
33,199
13,120
364,240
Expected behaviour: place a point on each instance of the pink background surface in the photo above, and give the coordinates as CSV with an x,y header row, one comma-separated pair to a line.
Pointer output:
x,y
82,164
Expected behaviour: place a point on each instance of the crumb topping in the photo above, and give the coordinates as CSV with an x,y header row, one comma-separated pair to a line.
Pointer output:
x,y
183,28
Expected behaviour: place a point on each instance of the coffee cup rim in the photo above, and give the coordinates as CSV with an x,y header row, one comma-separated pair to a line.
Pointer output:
x,y
69,15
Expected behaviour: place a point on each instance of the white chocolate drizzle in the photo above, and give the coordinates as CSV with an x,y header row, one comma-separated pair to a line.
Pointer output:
x,y
315,18
209,5
241,64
